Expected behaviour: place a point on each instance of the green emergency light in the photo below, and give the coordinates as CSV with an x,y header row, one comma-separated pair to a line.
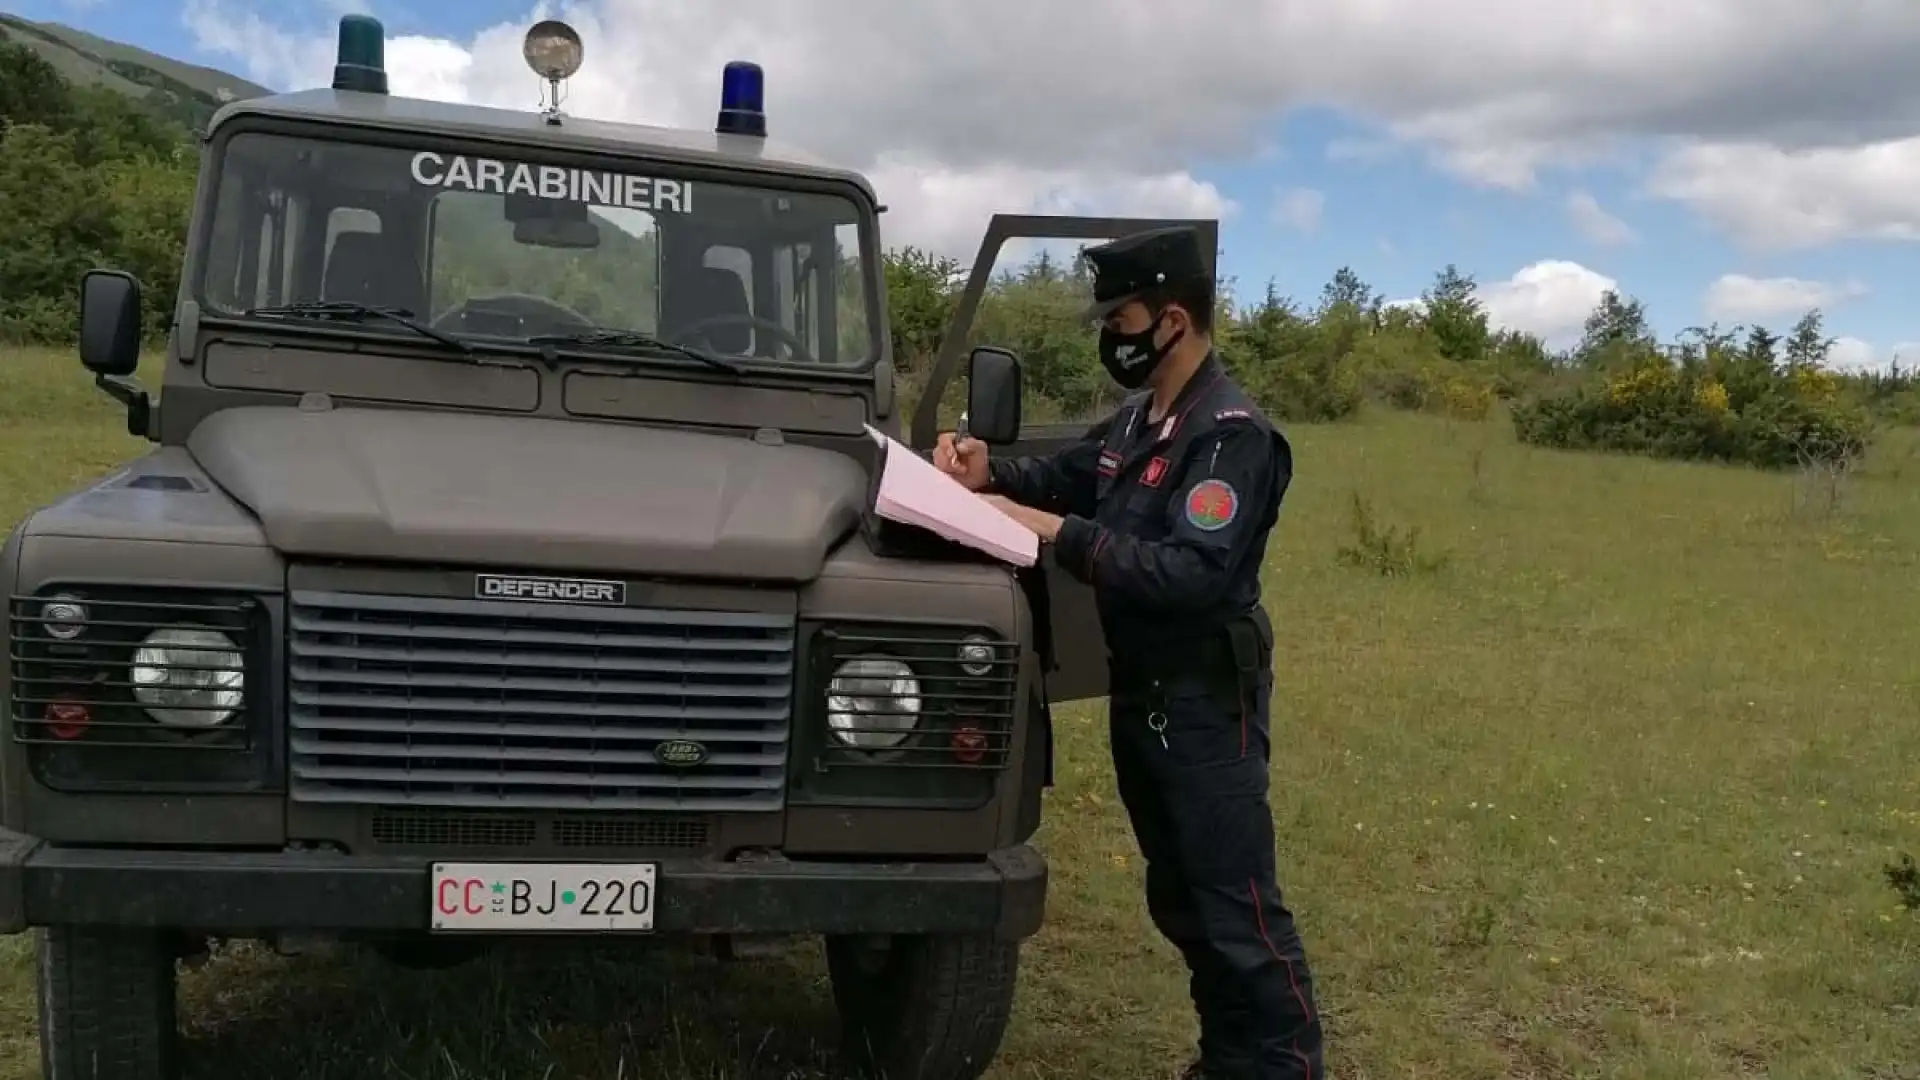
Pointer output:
x,y
361,61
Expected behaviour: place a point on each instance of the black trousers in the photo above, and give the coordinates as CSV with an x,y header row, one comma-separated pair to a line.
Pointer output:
x,y
1198,804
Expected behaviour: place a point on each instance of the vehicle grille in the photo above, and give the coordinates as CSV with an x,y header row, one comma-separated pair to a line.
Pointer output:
x,y
571,829
402,700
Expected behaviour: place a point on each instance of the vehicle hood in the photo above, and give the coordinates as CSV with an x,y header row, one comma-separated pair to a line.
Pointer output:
x,y
523,493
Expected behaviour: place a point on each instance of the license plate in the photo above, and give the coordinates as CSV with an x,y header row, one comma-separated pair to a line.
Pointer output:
x,y
543,896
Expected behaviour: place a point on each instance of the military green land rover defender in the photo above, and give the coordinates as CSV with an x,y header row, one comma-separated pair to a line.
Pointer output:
x,y
505,567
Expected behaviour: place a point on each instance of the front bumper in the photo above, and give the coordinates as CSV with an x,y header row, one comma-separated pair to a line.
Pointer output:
x,y
257,892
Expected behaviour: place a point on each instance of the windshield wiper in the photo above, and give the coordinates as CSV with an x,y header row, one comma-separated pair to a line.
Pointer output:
x,y
352,311
634,340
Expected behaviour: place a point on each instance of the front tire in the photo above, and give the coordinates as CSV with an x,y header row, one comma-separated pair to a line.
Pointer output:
x,y
106,1005
923,1007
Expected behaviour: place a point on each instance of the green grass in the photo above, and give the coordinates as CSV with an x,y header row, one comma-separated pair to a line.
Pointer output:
x,y
1605,793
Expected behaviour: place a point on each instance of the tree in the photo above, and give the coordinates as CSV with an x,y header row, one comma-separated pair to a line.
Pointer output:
x,y
88,177
1807,343
1615,332
1455,317
920,302
1762,347
1347,290
1708,349
31,90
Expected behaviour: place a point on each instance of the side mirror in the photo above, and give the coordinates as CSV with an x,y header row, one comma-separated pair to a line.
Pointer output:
x,y
109,322
993,395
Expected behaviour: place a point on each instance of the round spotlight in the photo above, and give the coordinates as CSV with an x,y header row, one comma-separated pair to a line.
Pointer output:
x,y
553,50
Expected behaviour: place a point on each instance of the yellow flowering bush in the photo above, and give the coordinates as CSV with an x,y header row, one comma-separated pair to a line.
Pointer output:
x,y
1771,418
1646,381
1816,385
1467,392
1467,398
1711,396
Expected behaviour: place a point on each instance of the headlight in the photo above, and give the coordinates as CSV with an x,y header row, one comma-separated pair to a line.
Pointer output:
x,y
64,616
189,678
873,704
976,655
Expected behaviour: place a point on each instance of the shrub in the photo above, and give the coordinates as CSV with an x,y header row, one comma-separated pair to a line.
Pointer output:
x,y
1779,419
1312,386
1384,550
1298,369
1435,386
1904,876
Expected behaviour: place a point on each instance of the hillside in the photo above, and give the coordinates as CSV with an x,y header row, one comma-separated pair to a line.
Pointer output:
x,y
186,92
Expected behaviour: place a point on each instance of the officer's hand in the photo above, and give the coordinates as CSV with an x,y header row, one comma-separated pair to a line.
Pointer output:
x,y
1006,506
1042,524
963,459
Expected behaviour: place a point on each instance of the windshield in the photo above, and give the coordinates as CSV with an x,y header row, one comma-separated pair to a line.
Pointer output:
x,y
496,248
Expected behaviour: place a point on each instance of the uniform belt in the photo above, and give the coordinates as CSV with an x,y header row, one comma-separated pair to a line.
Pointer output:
x,y
1208,651
1137,664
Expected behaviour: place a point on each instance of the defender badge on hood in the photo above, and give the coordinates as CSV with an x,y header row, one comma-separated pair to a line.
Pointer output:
x,y
549,590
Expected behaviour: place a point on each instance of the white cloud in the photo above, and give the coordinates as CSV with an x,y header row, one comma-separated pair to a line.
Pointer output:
x,y
996,102
1592,221
1771,197
1739,298
1852,354
946,210
1299,209
1549,299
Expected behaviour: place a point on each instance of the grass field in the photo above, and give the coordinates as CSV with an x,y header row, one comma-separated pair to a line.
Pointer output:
x,y
1607,793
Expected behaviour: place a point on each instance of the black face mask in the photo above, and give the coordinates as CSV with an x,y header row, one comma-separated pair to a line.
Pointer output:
x,y
1130,358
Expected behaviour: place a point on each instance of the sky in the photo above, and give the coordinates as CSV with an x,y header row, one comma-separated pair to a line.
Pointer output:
x,y
1723,161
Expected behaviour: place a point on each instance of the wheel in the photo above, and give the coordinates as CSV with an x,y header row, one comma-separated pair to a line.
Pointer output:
x,y
106,1005
928,1007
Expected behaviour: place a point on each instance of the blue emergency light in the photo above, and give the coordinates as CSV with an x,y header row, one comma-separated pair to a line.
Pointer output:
x,y
361,61
743,100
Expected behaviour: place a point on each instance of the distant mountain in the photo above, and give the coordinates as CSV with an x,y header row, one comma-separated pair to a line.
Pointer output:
x,y
186,92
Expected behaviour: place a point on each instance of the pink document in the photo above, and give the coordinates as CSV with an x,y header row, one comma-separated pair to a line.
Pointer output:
x,y
914,491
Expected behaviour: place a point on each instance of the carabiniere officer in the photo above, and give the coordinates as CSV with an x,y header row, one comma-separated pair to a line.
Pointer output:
x,y
1165,508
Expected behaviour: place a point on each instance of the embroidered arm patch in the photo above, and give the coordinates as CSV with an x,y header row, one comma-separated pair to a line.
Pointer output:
x,y
1212,504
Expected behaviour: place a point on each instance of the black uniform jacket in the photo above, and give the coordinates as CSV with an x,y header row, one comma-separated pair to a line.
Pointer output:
x,y
1167,520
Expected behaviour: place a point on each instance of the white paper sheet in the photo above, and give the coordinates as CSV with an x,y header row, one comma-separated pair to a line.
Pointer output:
x,y
914,491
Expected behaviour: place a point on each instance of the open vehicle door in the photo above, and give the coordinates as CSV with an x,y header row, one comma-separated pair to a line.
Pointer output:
x,y
1079,653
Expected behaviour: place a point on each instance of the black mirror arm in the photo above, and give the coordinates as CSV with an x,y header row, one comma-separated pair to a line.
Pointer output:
x,y
126,391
